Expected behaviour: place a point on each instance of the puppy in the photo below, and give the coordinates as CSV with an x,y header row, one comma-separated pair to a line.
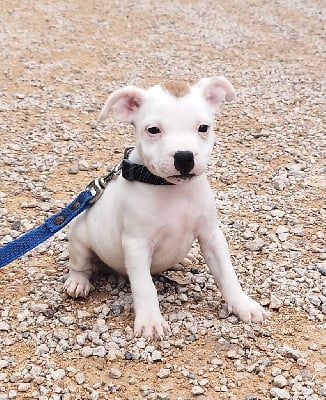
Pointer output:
x,y
141,226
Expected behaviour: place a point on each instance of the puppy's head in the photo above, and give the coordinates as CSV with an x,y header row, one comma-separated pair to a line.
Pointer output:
x,y
173,123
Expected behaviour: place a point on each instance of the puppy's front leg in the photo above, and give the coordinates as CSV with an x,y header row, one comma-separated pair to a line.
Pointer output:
x,y
148,319
215,250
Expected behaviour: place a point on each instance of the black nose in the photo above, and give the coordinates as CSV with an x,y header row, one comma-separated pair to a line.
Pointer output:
x,y
184,161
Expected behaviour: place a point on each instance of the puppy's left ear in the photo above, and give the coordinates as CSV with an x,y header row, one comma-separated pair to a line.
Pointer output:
x,y
123,103
215,90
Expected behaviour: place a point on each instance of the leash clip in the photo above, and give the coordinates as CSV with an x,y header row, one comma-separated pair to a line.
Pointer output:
x,y
98,185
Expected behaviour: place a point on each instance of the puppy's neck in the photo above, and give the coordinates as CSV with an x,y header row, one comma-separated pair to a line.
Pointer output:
x,y
135,157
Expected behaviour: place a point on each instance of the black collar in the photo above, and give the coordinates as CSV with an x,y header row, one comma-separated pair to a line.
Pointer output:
x,y
137,172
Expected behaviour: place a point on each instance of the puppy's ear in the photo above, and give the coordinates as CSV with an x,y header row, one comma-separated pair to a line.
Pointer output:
x,y
123,103
215,90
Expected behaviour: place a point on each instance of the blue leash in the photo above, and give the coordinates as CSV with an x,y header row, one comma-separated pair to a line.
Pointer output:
x,y
26,242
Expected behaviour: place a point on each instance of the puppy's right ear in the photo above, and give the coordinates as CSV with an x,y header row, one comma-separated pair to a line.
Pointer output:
x,y
215,90
123,103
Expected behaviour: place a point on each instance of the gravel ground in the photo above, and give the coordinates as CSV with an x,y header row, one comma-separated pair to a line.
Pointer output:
x,y
59,61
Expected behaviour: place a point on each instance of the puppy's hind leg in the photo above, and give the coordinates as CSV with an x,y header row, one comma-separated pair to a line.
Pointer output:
x,y
80,262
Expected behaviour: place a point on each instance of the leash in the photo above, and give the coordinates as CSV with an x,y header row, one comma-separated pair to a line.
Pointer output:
x,y
28,241
94,190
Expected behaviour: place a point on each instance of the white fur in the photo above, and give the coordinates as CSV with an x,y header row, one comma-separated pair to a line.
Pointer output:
x,y
138,228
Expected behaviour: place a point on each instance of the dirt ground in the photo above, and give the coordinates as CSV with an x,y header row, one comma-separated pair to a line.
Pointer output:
x,y
59,61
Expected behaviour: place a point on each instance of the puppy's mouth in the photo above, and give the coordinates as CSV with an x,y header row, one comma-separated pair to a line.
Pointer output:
x,y
184,177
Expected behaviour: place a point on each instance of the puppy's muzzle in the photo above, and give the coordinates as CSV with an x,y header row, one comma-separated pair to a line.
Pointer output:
x,y
184,162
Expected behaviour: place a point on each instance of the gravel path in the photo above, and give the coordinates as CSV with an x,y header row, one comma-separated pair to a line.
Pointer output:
x,y
59,61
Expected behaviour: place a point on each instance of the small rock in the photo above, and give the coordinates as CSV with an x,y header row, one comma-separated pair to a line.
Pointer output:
x,y
277,213
282,229
255,245
79,378
203,382
74,169
297,230
281,394
163,373
4,326
275,371
83,165
322,389
3,364
156,355
42,349
248,235
275,303
289,352
279,184
117,309
58,374
12,394
315,300
280,381
38,307
115,373
86,351
100,326
162,396
128,355
197,390
23,387
283,237
146,390
223,312
99,351
68,320
321,269
216,361
233,354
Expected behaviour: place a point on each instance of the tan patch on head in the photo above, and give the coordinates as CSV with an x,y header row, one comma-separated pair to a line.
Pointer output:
x,y
176,88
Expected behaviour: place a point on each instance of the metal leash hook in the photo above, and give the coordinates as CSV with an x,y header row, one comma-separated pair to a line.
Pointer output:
x,y
98,185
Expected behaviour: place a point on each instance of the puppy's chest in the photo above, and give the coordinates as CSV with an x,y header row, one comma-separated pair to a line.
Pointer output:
x,y
171,242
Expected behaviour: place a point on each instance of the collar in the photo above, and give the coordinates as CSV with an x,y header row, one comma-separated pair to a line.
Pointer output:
x,y
138,172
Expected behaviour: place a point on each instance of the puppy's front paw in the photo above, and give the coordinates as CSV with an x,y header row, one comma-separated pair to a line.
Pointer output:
x,y
77,285
150,325
247,309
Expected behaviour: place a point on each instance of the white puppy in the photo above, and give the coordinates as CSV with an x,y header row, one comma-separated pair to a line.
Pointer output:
x,y
141,226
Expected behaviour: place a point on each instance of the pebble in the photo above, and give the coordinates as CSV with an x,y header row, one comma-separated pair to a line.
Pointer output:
x,y
281,394
163,373
79,378
86,351
23,387
275,303
290,352
4,326
280,381
255,245
12,394
4,364
197,390
74,169
99,351
279,183
115,373
58,374
156,355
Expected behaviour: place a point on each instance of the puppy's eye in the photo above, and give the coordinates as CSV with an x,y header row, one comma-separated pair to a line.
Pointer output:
x,y
153,130
203,128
